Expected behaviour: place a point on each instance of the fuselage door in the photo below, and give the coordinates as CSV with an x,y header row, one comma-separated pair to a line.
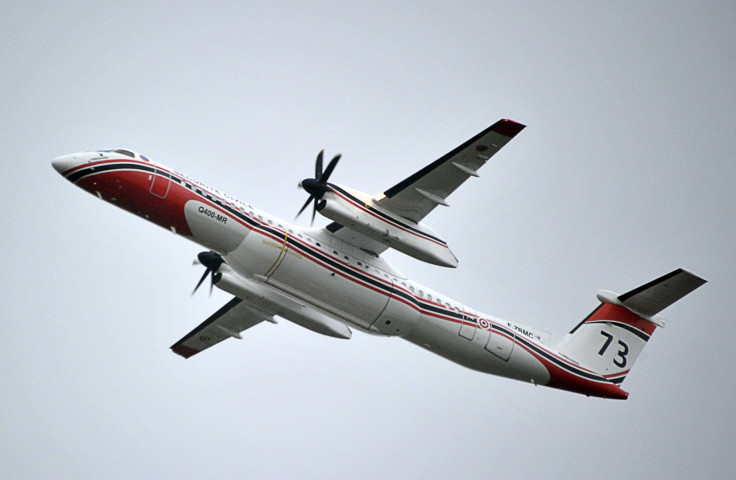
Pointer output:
x,y
468,325
500,343
160,182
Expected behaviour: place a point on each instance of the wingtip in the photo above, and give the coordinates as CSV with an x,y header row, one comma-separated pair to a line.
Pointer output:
x,y
508,128
183,351
696,278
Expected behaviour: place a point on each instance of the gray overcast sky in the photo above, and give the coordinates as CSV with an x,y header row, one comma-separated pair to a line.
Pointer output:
x,y
624,173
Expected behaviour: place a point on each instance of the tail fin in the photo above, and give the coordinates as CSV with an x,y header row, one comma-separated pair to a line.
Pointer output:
x,y
611,338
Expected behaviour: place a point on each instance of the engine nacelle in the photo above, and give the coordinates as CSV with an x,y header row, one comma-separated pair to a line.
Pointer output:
x,y
268,298
414,239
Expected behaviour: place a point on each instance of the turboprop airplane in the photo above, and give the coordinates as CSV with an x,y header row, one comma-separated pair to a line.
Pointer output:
x,y
333,280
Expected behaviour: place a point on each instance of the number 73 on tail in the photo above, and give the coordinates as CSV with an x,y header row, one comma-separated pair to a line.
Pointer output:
x,y
333,280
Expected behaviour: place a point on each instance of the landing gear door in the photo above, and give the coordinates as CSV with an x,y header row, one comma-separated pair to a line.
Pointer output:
x,y
500,343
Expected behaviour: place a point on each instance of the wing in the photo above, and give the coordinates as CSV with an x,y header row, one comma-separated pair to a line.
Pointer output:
x,y
416,196
227,322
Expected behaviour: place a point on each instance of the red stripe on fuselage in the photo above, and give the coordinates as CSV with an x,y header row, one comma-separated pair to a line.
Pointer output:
x,y
565,378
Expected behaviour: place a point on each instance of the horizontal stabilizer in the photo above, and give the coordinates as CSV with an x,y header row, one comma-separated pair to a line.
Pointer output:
x,y
655,296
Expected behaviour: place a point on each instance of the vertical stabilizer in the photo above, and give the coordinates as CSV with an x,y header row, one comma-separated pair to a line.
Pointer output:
x,y
611,338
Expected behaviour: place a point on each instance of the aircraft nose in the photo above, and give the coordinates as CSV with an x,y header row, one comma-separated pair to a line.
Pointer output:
x,y
64,163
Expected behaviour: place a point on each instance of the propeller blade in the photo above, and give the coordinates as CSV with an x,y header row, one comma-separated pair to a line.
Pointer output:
x,y
333,163
317,186
200,281
318,164
304,207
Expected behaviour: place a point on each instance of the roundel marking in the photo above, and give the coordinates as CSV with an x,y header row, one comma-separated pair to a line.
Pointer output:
x,y
483,323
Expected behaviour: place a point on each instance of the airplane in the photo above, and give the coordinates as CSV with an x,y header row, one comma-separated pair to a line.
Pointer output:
x,y
333,280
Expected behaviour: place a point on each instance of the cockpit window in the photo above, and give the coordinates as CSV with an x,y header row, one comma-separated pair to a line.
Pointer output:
x,y
122,152
125,152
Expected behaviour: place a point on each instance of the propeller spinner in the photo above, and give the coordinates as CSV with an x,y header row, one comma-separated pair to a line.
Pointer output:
x,y
317,186
212,261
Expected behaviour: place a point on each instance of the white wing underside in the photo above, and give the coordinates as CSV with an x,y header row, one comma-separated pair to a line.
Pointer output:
x,y
233,318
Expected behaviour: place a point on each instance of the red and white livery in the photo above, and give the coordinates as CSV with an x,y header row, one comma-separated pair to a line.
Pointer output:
x,y
333,280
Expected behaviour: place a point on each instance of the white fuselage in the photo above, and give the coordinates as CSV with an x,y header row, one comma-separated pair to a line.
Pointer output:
x,y
361,289
345,283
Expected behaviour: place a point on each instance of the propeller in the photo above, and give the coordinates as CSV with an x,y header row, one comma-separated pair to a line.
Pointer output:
x,y
317,186
212,261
